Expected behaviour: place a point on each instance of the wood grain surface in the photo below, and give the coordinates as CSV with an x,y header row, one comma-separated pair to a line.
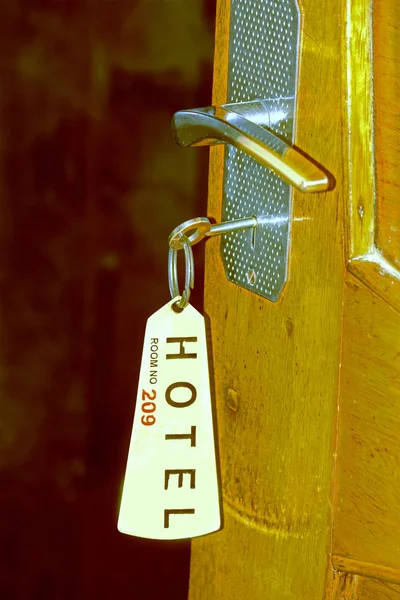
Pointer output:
x,y
386,47
367,515
371,148
347,586
307,389
276,445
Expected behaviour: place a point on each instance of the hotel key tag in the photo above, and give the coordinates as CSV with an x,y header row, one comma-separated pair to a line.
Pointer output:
x,y
171,485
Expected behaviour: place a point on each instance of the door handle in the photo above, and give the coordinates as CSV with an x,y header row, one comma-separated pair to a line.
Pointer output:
x,y
241,126
261,165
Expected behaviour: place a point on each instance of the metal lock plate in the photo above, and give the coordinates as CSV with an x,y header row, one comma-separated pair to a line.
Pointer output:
x,y
263,64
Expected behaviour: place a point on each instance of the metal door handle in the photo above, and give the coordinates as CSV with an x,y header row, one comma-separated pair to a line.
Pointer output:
x,y
238,124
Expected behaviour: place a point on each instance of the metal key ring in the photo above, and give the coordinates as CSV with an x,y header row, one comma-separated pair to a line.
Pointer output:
x,y
200,226
173,272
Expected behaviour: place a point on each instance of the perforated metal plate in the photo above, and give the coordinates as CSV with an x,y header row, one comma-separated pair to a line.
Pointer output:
x,y
263,51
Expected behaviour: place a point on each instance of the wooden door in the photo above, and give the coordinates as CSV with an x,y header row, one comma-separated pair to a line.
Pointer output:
x,y
307,389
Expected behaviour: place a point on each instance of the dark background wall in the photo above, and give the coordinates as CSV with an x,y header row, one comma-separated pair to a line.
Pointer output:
x,y
91,186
